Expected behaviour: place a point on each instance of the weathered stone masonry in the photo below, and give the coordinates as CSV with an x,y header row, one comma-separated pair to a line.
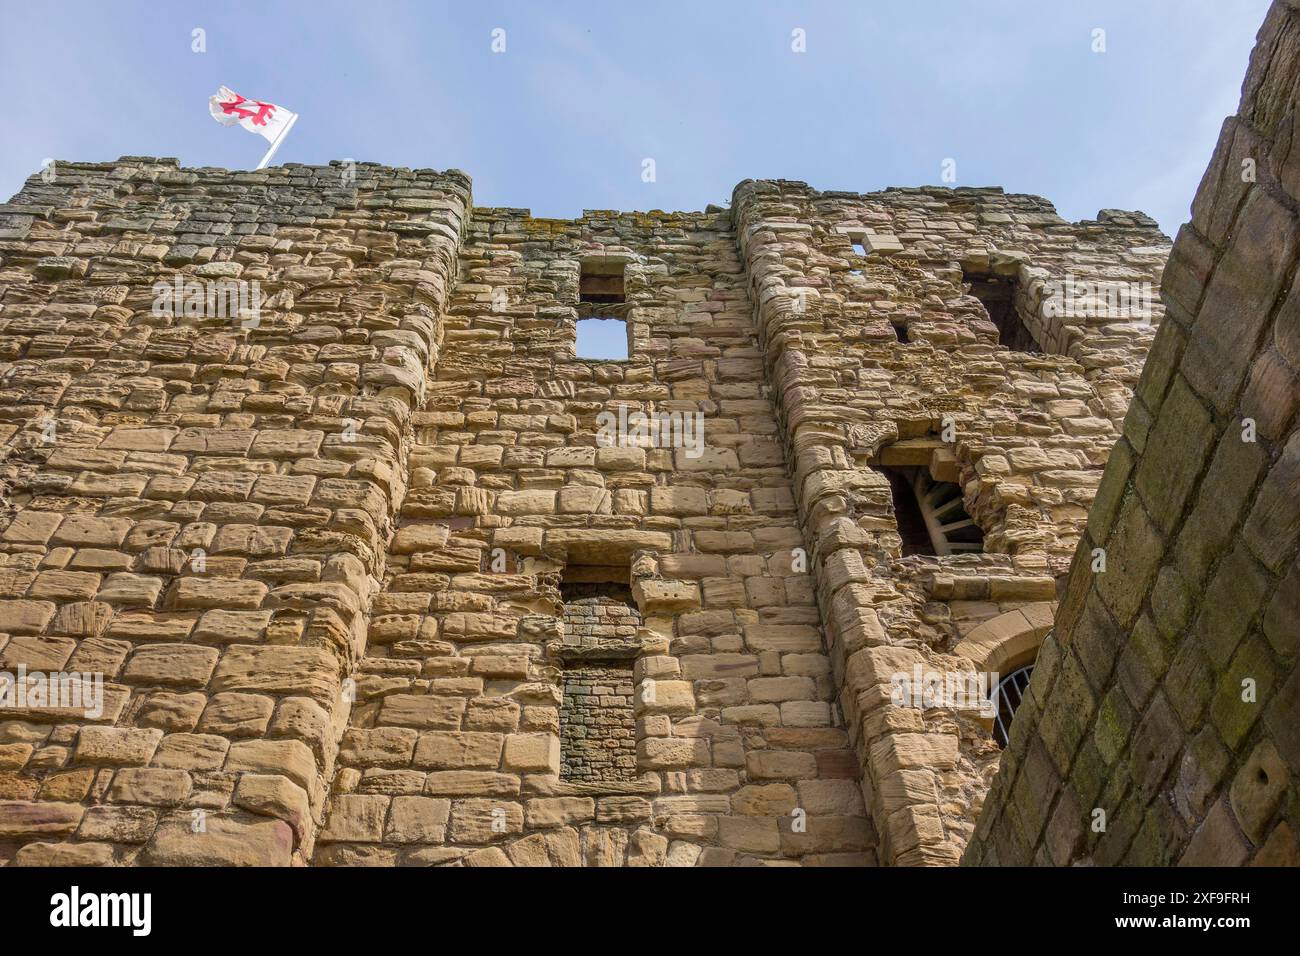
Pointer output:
x,y
459,716
1029,433
200,511
597,726
597,713
1163,721
325,561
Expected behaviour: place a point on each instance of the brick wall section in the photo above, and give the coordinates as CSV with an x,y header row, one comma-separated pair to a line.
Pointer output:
x,y
597,722
1170,696
597,726
592,620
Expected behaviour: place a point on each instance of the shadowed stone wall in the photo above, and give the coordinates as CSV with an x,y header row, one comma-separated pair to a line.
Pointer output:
x,y
1163,724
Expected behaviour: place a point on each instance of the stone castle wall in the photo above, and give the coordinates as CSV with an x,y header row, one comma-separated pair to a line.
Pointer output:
x,y
1024,436
1161,725
200,511
321,559
460,707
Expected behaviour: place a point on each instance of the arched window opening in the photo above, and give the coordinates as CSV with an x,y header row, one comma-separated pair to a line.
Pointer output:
x,y
1008,644
1011,691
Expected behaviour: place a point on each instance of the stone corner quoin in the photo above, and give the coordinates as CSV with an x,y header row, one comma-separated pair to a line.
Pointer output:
x,y
303,467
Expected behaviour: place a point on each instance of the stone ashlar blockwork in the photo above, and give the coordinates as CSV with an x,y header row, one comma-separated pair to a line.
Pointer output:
x,y
199,511
1161,723
320,558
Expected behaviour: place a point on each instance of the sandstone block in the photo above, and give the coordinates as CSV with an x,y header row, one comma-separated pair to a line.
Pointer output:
x,y
454,750
275,796
536,753
150,786
223,841
559,811
116,745
356,818
19,819
482,821
417,820
175,665
292,758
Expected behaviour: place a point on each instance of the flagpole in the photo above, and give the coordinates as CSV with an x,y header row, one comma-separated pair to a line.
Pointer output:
x,y
278,140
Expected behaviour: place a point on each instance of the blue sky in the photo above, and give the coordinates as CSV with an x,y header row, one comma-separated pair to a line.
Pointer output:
x,y
711,91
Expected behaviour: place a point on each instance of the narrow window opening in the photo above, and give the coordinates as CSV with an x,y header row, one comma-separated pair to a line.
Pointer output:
x,y
602,338
1010,693
998,296
858,241
931,514
900,332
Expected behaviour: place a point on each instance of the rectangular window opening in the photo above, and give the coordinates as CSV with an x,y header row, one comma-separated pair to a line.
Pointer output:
x,y
998,296
602,338
601,283
931,514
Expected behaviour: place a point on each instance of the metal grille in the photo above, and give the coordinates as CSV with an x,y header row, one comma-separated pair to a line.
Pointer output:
x,y
1011,691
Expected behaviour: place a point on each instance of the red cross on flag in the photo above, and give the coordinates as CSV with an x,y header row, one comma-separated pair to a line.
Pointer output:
x,y
266,119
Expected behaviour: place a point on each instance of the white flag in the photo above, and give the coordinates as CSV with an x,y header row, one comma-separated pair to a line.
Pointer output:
x,y
265,119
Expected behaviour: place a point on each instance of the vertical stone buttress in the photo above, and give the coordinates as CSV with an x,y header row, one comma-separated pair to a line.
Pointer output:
x,y
1024,435
1162,722
199,505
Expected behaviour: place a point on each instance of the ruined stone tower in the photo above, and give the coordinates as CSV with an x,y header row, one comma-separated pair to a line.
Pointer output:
x,y
375,568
